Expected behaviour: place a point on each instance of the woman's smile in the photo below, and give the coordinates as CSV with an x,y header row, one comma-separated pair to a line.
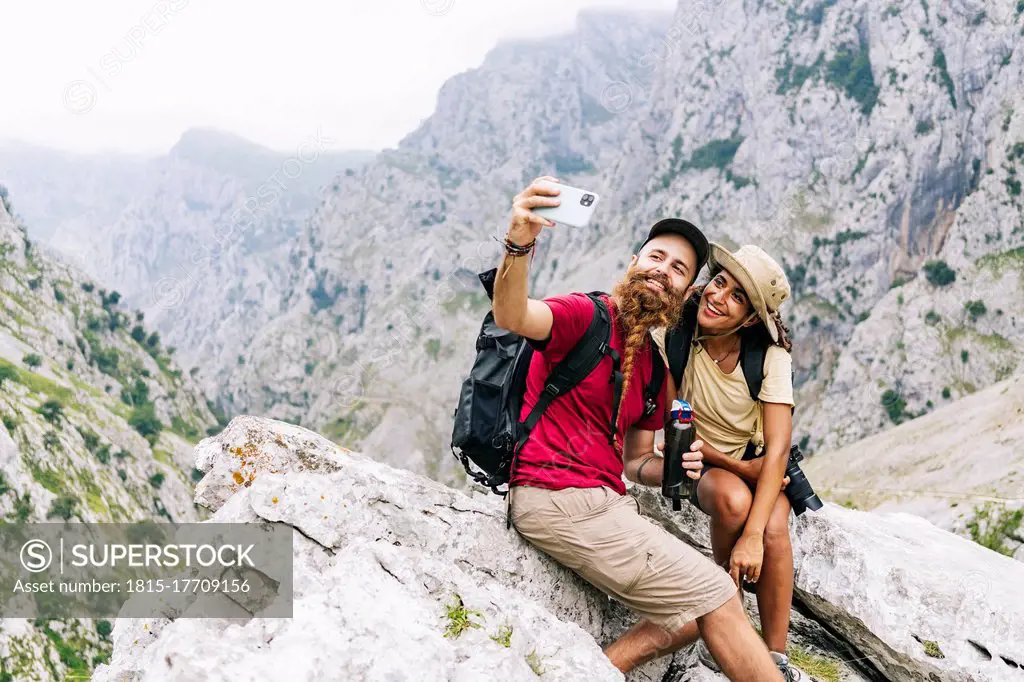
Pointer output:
x,y
712,311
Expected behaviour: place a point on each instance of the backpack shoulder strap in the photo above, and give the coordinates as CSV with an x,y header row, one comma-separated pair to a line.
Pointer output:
x,y
677,343
652,389
752,356
577,364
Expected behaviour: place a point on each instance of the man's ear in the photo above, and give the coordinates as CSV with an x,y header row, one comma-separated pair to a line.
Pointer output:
x,y
633,260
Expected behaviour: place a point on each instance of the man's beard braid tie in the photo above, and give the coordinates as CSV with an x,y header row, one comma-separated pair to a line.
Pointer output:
x,y
639,310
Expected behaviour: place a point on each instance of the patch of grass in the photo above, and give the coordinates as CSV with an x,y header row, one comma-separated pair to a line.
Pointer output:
x,y
163,456
534,660
991,526
459,618
433,348
931,648
939,62
850,70
52,411
1013,186
938,273
184,429
104,628
70,656
895,406
137,394
975,309
504,636
48,478
715,154
63,507
23,507
143,419
793,76
818,667
997,262
51,441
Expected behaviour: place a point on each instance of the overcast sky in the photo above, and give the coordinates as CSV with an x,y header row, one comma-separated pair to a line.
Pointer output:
x,y
132,75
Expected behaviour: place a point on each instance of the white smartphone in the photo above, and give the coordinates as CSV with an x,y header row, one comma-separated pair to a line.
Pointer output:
x,y
576,207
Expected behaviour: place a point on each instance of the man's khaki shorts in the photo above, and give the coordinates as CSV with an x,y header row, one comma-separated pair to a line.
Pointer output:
x,y
601,536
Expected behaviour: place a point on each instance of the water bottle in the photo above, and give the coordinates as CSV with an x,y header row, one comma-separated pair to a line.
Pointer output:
x,y
679,434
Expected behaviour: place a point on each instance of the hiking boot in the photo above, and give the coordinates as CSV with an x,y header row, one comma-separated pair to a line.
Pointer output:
x,y
705,657
789,673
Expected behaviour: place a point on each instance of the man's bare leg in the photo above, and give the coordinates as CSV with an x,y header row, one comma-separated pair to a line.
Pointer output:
x,y
646,641
735,644
727,631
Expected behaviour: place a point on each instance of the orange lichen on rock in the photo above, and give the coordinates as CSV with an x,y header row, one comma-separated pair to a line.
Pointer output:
x,y
274,500
250,460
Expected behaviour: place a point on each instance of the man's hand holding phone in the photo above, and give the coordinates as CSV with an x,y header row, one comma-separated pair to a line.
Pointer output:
x,y
525,225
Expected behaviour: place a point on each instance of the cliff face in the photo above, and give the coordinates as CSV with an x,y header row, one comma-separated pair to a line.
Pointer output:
x,y
98,424
197,239
384,557
383,303
873,150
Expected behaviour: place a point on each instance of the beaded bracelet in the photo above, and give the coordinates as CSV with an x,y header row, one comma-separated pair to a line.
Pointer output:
x,y
516,250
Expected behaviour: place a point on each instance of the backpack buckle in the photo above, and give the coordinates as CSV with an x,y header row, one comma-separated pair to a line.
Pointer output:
x,y
650,407
552,389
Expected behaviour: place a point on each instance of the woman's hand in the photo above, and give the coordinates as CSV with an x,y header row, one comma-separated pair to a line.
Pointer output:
x,y
747,555
750,470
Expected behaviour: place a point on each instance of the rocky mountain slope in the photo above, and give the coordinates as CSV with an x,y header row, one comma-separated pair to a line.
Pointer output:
x,y
383,305
376,563
874,149
98,424
184,237
960,467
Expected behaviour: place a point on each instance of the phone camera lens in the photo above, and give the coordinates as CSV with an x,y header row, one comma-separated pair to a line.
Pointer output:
x,y
587,199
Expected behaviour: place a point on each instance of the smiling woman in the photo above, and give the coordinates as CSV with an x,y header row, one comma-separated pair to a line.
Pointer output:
x,y
746,430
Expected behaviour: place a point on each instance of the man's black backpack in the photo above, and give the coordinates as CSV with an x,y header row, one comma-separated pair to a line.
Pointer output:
x,y
487,431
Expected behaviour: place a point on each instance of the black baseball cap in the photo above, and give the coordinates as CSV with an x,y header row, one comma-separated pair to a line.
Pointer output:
x,y
687,231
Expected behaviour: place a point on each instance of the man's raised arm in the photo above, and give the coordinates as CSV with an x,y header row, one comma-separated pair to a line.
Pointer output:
x,y
514,310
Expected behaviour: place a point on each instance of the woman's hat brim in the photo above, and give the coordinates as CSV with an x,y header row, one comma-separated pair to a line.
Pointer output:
x,y
720,256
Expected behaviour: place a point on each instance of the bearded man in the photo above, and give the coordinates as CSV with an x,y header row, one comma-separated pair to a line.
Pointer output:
x,y
567,496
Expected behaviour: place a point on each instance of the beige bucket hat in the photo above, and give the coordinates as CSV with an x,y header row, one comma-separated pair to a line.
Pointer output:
x,y
760,276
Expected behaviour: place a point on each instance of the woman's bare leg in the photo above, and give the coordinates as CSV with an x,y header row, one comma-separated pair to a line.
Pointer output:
x,y
775,586
726,499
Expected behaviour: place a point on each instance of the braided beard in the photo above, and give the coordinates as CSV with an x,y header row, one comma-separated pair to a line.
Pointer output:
x,y
638,310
